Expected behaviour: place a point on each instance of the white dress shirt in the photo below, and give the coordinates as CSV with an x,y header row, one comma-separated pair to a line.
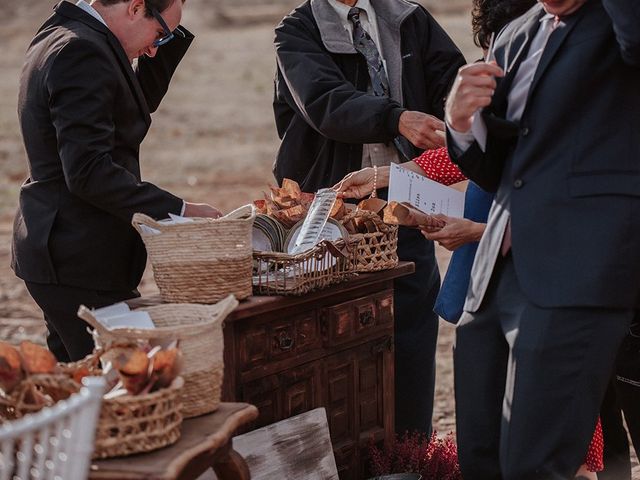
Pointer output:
x,y
91,11
367,18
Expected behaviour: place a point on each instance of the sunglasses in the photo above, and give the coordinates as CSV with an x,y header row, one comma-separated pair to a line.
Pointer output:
x,y
168,34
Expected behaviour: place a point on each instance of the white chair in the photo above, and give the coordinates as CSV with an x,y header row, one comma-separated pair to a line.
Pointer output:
x,y
55,443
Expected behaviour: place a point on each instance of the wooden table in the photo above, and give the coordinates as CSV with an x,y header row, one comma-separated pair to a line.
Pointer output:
x,y
205,443
332,348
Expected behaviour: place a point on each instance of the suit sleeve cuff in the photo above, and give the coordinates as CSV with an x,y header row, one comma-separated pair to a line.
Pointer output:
x,y
393,122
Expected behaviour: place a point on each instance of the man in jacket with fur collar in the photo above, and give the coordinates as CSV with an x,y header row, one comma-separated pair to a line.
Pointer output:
x,y
362,83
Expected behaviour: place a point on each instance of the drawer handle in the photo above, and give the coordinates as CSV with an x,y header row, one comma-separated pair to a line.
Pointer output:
x,y
366,318
284,341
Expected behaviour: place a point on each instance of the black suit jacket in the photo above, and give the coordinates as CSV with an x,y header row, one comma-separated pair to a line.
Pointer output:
x,y
84,112
571,168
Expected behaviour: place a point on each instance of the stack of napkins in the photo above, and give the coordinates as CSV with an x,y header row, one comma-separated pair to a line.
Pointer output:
x,y
172,220
119,315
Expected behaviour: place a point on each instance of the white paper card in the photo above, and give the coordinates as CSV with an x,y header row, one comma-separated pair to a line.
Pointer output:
x,y
111,311
140,320
423,193
176,219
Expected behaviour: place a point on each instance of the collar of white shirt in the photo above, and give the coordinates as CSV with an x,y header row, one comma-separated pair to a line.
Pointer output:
x,y
367,18
91,11
342,9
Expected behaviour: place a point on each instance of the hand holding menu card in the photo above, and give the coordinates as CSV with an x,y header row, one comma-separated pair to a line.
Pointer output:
x,y
423,193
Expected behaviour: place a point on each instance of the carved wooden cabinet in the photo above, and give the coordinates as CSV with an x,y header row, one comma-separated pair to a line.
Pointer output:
x,y
332,349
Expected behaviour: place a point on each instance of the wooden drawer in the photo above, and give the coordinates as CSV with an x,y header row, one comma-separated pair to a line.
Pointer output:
x,y
285,394
357,318
261,343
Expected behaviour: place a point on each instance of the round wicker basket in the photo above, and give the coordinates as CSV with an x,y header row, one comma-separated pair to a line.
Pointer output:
x,y
203,260
199,331
139,423
377,250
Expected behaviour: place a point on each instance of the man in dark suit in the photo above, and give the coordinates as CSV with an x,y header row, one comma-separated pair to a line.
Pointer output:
x,y
556,280
361,83
83,112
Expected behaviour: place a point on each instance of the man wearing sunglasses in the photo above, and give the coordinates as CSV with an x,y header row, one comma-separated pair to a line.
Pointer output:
x,y
84,111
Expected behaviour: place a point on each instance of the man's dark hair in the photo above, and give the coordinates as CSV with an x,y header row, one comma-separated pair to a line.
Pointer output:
x,y
159,5
489,16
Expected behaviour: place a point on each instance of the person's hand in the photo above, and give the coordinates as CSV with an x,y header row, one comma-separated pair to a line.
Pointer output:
x,y
423,130
456,232
359,184
472,89
202,210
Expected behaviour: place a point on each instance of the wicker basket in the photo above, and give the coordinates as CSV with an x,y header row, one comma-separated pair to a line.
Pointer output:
x,y
199,330
378,250
49,387
127,424
201,261
283,274
139,423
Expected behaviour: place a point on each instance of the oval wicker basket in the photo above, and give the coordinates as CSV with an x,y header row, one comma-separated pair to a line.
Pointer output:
x,y
127,424
199,330
326,264
139,423
378,250
20,402
203,260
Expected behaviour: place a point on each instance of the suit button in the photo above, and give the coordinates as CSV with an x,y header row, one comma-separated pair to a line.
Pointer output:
x,y
524,131
518,183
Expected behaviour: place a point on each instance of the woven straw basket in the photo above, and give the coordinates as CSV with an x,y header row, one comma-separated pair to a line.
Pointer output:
x,y
201,261
199,330
19,402
325,264
127,424
139,423
378,250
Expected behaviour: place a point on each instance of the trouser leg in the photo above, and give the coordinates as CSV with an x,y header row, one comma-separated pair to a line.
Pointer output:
x,y
560,362
69,339
617,463
628,381
480,366
416,333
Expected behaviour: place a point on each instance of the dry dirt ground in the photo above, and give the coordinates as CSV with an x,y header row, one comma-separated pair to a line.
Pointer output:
x,y
212,140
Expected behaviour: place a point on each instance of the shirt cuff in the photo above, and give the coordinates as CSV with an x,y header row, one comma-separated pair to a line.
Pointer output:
x,y
184,206
463,140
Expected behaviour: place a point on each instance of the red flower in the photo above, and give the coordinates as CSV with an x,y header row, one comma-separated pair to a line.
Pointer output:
x,y
434,458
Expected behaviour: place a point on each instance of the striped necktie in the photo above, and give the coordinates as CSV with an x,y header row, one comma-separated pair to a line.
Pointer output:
x,y
366,47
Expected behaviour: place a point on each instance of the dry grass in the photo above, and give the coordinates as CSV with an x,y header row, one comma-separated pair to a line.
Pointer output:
x,y
213,139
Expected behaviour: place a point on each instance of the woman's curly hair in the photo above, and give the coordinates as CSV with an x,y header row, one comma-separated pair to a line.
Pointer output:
x,y
489,16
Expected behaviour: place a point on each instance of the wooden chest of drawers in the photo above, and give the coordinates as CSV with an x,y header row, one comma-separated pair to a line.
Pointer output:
x,y
332,349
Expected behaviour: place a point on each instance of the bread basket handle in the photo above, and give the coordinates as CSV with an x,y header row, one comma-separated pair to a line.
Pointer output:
x,y
219,310
142,219
336,252
85,314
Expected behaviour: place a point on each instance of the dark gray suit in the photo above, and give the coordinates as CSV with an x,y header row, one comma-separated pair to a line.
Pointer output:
x,y
536,347
84,112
